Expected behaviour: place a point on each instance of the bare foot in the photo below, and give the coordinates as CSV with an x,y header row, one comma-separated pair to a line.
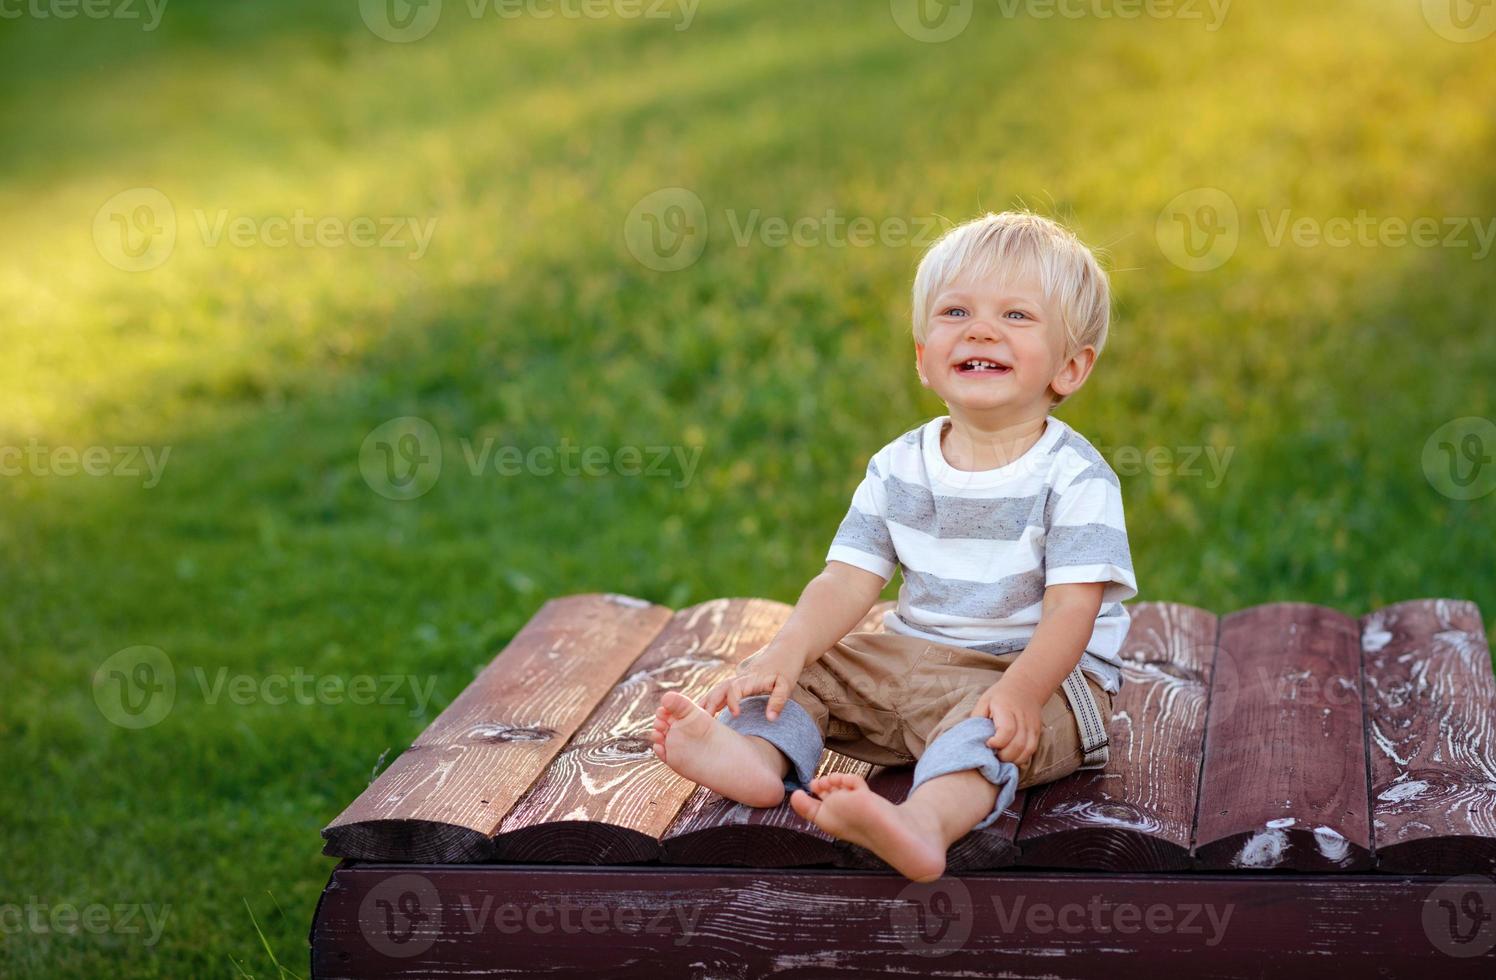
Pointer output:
x,y
850,810
703,750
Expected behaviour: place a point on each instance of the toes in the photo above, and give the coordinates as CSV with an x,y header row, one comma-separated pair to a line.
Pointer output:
x,y
804,804
842,781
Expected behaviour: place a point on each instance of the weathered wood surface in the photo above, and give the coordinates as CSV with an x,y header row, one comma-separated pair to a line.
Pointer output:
x,y
1237,744
445,796
1139,811
403,921
606,798
1431,722
1283,783
710,829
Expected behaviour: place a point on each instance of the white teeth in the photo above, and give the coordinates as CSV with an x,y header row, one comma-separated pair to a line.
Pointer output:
x,y
980,365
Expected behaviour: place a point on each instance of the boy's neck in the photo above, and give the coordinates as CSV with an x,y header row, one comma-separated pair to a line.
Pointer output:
x,y
985,443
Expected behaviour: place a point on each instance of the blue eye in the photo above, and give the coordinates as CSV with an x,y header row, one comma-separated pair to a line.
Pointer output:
x,y
953,310
1019,312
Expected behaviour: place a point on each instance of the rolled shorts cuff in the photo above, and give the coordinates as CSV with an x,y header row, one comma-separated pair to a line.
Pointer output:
x,y
794,733
964,746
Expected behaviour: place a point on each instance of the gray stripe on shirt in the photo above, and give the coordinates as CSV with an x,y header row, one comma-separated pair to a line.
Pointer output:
x,y
1086,544
974,600
865,532
942,516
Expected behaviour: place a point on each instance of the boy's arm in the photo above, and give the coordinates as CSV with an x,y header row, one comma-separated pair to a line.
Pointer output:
x,y
1015,702
1065,626
829,607
831,604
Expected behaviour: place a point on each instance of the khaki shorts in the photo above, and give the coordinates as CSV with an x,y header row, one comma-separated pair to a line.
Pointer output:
x,y
884,697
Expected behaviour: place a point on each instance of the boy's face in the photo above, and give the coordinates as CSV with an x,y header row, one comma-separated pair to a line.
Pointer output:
x,y
1008,323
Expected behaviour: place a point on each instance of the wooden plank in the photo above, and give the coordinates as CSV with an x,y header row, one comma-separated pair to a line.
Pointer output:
x,y
1284,778
606,799
711,829
398,921
1136,814
443,799
1431,724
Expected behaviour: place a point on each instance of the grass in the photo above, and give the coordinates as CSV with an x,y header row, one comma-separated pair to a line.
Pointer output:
x,y
263,551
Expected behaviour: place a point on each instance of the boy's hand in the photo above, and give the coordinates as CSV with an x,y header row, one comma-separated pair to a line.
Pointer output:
x,y
1017,720
765,672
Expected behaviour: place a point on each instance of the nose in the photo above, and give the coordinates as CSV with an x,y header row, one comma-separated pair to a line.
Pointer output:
x,y
979,328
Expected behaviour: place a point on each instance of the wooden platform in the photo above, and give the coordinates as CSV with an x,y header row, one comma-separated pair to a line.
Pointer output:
x,y
1281,738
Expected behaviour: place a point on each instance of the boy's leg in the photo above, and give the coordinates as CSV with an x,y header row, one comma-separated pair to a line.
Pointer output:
x,y
960,784
735,764
957,745
746,757
791,744
846,699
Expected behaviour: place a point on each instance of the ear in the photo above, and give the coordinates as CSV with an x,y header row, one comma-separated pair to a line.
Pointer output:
x,y
1073,373
919,364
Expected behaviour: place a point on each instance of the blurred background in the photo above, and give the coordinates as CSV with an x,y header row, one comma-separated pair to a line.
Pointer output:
x,y
339,336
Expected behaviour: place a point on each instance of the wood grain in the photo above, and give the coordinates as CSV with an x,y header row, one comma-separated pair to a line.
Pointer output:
x,y
1138,812
1431,724
444,797
606,798
465,921
1284,781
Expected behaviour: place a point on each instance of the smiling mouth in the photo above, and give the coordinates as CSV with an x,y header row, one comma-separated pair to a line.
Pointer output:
x,y
982,366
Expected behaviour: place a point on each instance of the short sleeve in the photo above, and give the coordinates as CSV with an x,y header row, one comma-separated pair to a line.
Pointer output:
x,y
863,539
1086,536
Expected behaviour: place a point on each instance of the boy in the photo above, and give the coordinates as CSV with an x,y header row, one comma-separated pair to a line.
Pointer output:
x,y
997,669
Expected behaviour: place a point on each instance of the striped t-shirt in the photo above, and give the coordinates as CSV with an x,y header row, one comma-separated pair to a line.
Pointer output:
x,y
977,549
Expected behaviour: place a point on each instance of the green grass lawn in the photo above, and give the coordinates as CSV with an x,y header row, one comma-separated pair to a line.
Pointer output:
x,y
263,551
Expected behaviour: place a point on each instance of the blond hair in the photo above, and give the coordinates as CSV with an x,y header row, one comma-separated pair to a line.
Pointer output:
x,y
1017,243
